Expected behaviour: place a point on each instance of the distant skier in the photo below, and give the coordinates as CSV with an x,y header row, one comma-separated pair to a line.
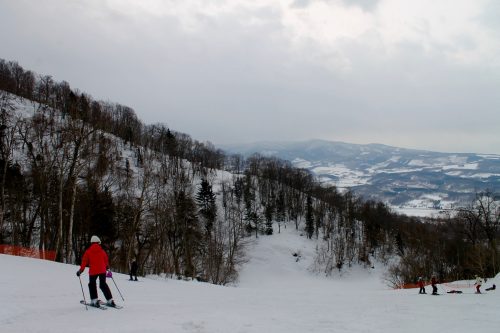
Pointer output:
x,y
133,270
454,291
421,284
493,287
478,284
434,285
97,260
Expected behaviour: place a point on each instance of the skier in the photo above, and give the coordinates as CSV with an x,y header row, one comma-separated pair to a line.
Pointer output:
x,y
421,285
453,291
97,260
493,287
133,270
479,282
434,285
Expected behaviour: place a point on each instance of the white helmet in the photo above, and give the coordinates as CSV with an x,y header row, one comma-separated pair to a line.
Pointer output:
x,y
95,239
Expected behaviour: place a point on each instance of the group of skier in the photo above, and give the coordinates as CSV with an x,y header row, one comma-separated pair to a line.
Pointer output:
x,y
421,285
97,260
478,283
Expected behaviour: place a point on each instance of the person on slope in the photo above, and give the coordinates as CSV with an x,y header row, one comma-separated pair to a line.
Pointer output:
x,y
97,260
421,285
434,285
133,270
493,287
479,282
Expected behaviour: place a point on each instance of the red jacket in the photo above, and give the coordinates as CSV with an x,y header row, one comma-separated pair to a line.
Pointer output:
x,y
96,259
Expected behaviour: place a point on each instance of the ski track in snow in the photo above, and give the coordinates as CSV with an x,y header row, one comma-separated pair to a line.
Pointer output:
x,y
275,293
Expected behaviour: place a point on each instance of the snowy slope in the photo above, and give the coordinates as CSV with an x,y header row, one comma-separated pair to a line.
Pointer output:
x,y
275,293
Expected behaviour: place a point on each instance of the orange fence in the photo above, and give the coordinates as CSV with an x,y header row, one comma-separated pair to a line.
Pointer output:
x,y
409,286
27,252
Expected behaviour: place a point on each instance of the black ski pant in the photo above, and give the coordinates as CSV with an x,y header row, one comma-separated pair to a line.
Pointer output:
x,y
133,273
102,284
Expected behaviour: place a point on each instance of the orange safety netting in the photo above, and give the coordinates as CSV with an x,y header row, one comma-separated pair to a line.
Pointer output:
x,y
27,252
408,286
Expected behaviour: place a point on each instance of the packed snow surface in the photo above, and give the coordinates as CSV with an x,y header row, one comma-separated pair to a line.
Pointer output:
x,y
276,293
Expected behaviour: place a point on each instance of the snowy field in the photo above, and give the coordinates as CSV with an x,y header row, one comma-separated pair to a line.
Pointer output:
x,y
276,293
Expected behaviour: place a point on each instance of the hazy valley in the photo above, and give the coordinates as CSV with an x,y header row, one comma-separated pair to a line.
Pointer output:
x,y
416,182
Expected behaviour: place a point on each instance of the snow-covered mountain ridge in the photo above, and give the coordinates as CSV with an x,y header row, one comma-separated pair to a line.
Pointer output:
x,y
404,178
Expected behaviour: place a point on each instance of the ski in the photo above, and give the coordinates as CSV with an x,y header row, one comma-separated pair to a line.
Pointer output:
x,y
105,305
92,306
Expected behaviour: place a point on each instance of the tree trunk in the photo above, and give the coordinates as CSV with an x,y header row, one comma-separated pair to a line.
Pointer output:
x,y
2,195
59,237
69,248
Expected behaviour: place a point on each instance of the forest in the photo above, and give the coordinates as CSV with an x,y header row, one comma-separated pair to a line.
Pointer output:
x,y
72,166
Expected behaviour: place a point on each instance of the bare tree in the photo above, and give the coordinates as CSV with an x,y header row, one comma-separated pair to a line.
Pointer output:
x,y
480,221
80,136
8,140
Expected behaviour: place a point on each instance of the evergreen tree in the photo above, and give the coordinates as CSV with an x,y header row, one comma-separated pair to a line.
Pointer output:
x,y
102,213
269,212
238,190
205,198
280,209
191,235
249,197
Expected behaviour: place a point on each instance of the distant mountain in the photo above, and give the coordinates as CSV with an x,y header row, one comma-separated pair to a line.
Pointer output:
x,y
404,178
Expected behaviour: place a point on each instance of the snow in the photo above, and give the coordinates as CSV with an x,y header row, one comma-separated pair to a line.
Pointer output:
x,y
490,156
23,107
421,211
419,163
276,293
427,205
301,163
465,166
347,178
484,175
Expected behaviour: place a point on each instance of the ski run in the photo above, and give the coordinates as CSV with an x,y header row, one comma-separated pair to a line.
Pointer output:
x,y
276,293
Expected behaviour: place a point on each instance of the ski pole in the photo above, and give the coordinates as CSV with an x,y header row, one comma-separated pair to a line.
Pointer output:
x,y
79,278
117,288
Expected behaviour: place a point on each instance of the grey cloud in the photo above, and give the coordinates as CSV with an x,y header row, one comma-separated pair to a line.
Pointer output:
x,y
491,14
234,82
367,5
301,3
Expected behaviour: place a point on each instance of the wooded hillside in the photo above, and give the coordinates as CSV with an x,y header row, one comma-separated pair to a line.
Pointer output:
x,y
72,167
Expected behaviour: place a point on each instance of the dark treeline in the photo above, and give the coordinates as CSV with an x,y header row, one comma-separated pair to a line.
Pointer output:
x,y
76,167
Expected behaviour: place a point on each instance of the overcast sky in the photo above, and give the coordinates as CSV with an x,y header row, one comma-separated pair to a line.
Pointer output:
x,y
418,74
